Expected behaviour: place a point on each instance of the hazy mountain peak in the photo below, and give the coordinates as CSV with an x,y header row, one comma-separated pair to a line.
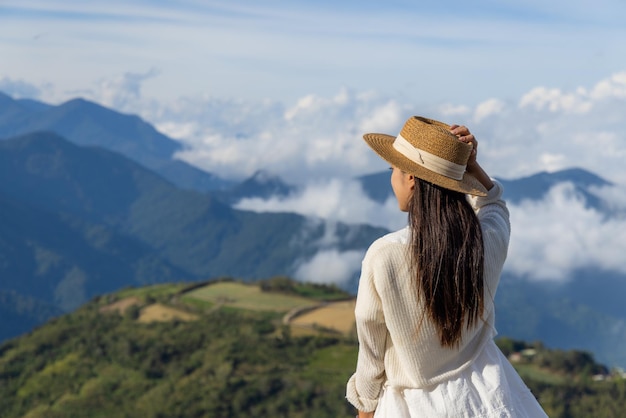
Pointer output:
x,y
84,122
536,186
265,177
262,184
83,105
576,175
5,98
533,187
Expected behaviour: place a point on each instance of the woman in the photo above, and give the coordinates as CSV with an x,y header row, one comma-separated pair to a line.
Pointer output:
x,y
425,304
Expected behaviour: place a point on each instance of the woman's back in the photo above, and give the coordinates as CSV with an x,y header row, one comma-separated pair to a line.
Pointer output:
x,y
425,304
388,296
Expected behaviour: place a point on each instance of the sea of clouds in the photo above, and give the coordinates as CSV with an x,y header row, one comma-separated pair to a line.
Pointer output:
x,y
315,143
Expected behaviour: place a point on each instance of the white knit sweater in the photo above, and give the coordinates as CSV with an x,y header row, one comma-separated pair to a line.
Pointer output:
x,y
398,344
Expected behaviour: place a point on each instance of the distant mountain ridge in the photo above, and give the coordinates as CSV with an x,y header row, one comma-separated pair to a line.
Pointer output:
x,y
262,184
87,123
533,187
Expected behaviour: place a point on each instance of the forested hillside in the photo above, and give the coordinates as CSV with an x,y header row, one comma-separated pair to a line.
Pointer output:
x,y
228,349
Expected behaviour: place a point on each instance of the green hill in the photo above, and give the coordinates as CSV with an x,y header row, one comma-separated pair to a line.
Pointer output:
x,y
180,350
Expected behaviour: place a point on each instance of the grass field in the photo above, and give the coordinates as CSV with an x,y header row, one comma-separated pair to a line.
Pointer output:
x,y
243,296
159,312
337,315
121,305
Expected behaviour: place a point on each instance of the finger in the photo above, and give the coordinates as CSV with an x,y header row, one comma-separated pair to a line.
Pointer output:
x,y
460,131
456,129
468,139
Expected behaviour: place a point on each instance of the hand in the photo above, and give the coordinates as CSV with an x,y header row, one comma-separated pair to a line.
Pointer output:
x,y
473,167
464,135
365,414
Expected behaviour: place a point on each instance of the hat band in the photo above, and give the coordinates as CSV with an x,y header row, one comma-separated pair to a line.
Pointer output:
x,y
430,161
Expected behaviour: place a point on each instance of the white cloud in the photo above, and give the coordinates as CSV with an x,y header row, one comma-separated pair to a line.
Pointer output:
x,y
554,100
614,197
614,86
124,91
552,162
451,110
488,108
316,138
330,266
580,101
326,203
321,137
334,200
385,118
19,88
551,129
553,237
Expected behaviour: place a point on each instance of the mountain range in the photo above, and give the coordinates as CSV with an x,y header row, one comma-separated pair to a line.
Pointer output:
x,y
87,123
92,201
78,221
533,187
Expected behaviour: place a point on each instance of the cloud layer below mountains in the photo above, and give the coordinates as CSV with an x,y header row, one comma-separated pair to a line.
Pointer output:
x,y
316,143
551,238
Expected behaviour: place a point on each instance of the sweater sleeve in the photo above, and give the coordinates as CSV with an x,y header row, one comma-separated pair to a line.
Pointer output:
x,y
364,387
493,215
496,228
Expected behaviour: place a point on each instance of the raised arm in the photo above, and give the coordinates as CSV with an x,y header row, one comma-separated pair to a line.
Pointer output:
x,y
473,168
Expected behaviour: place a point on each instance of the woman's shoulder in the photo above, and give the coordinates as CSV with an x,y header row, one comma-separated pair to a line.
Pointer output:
x,y
386,260
400,236
389,242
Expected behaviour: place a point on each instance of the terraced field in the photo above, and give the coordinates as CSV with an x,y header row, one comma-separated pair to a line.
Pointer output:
x,y
164,313
303,314
337,316
245,296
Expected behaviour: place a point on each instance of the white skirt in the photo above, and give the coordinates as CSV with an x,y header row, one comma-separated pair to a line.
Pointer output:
x,y
489,388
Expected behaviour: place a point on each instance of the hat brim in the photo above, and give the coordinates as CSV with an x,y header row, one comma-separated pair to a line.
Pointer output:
x,y
382,144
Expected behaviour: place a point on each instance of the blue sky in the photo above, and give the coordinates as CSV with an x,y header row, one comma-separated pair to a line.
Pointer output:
x,y
428,51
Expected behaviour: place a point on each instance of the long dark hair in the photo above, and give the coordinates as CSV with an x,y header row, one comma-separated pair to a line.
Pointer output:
x,y
447,256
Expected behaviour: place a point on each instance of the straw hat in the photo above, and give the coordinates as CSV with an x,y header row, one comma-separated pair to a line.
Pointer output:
x,y
427,149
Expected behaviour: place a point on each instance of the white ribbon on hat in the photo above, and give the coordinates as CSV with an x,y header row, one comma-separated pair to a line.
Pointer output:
x,y
430,161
